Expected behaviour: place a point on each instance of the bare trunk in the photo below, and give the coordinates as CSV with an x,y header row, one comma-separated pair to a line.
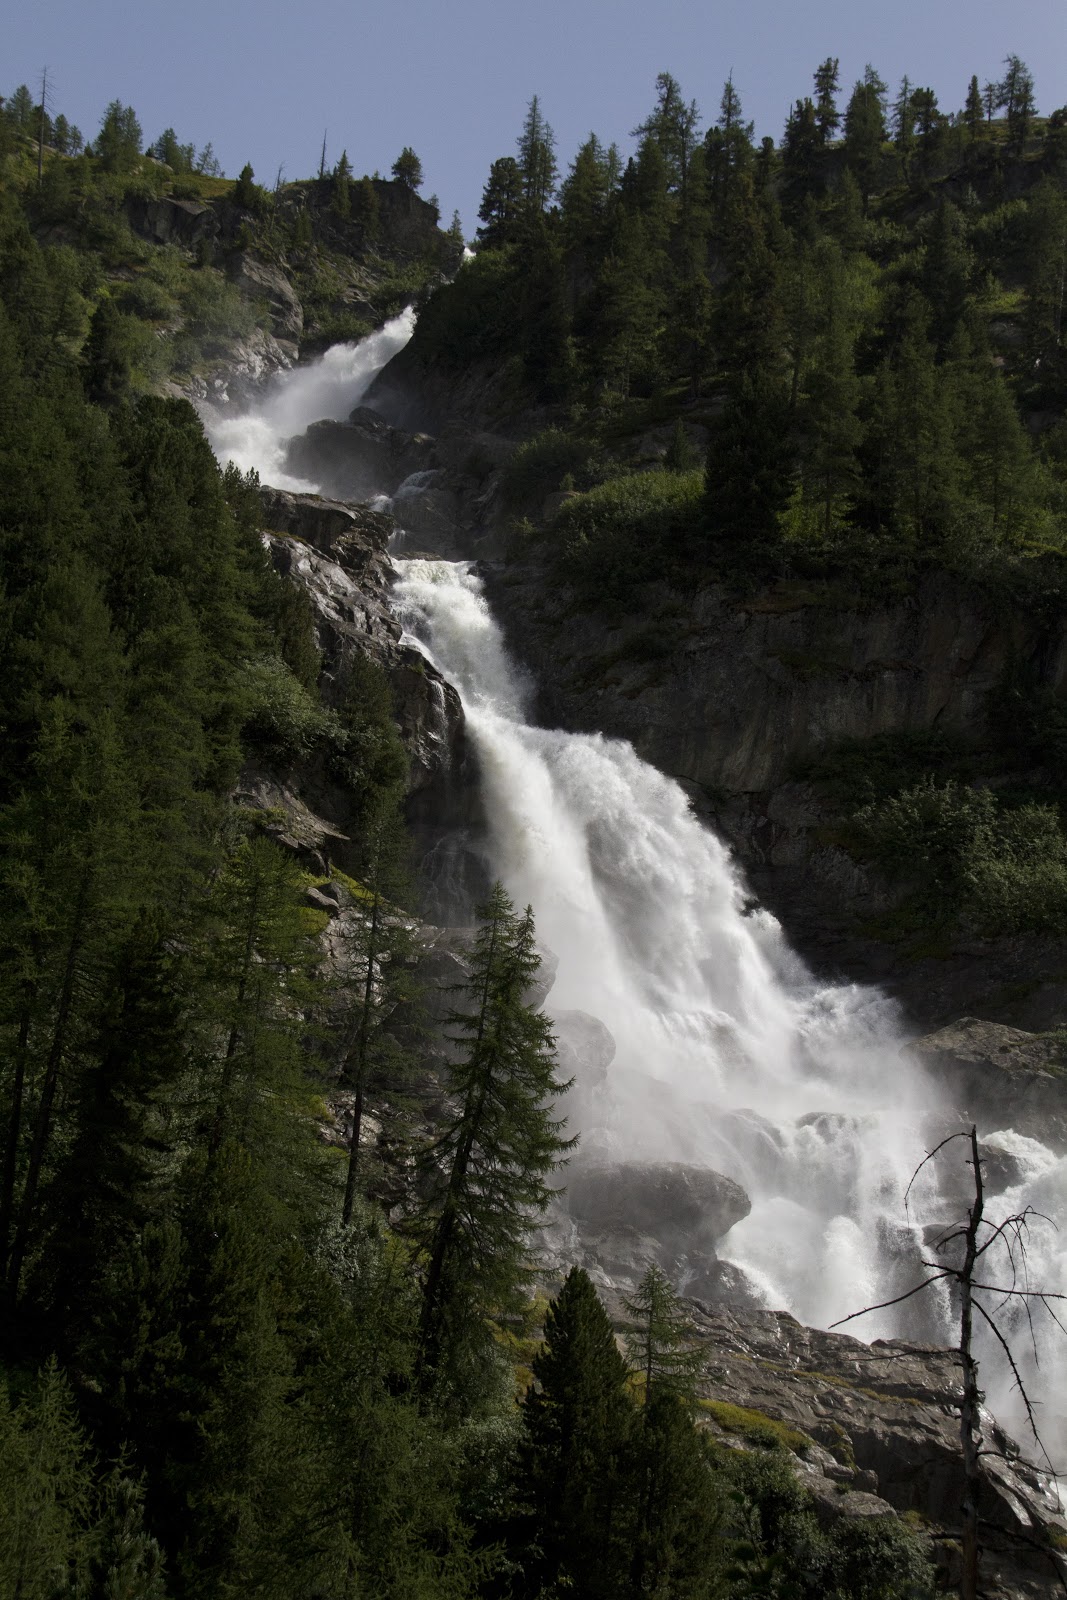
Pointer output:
x,y
970,1403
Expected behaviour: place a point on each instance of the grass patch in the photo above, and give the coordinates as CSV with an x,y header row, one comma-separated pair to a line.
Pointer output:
x,y
757,1427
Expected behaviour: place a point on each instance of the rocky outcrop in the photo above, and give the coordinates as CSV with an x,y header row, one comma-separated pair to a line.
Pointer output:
x,y
337,553
617,1217
188,224
267,286
357,458
734,695
884,1423
1000,1077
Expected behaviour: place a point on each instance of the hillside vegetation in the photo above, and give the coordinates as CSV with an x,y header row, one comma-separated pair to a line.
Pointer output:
x,y
240,1354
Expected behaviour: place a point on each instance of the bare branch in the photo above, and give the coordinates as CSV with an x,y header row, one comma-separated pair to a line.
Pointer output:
x,y
1018,1222
1019,1384
1017,1294
929,1156
882,1304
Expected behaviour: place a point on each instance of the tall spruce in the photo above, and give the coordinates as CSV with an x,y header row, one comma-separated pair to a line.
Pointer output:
x,y
575,1462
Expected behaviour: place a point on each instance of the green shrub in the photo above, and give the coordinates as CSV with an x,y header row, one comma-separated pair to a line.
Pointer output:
x,y
148,300
1004,868
283,717
540,465
629,530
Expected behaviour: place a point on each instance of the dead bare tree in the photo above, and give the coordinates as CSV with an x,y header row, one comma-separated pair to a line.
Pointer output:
x,y
978,1236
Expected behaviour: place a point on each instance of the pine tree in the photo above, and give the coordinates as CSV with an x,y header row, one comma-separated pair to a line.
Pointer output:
x,y
579,1426
583,197
341,195
537,159
801,151
676,1517
827,82
673,126
45,1490
501,205
1016,95
865,130
118,144
493,1157
407,169
974,113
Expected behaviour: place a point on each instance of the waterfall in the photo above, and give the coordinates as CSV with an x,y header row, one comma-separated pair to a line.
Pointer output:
x,y
329,387
730,1054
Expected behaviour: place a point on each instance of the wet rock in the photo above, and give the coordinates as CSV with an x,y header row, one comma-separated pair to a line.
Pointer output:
x,y
888,1411
585,1048
268,286
1000,1077
321,522
357,458
288,818
424,506
337,553
724,1283
664,1199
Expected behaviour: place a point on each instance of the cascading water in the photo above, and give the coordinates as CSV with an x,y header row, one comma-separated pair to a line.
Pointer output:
x,y
329,387
730,1054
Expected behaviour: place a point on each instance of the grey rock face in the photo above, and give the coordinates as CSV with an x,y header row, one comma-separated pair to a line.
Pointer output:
x,y
620,1216
659,1198
337,553
268,285
585,1048
889,1414
185,223
1000,1077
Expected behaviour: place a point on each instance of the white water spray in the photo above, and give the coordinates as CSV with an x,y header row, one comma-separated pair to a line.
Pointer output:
x,y
329,387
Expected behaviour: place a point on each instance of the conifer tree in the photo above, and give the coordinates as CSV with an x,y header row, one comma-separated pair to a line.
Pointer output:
x,y
501,204
494,1156
672,126
660,1344
575,1464
407,169
827,82
537,159
865,130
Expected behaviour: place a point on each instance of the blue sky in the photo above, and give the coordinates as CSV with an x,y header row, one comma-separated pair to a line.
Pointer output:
x,y
452,78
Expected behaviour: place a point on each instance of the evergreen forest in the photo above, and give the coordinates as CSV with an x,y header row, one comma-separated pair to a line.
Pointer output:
x,y
242,1352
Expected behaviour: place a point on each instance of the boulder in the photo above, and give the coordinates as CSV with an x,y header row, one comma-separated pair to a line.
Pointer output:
x,y
323,523
267,285
357,458
585,1048
665,1199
